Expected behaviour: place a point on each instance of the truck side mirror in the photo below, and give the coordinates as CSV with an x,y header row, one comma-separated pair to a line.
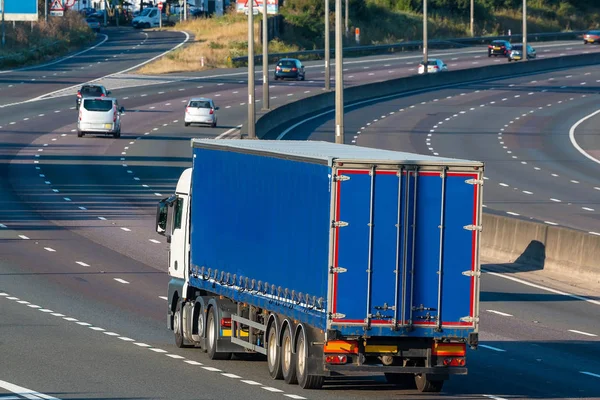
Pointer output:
x,y
162,210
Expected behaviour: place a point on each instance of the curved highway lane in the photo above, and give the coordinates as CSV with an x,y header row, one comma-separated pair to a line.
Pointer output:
x,y
86,207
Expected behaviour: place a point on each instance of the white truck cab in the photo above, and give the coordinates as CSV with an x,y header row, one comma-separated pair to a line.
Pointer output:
x,y
149,18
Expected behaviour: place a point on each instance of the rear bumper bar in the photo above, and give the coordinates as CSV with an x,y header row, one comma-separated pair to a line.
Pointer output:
x,y
374,369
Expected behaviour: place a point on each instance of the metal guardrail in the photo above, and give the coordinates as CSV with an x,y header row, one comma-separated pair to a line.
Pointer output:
x,y
411,45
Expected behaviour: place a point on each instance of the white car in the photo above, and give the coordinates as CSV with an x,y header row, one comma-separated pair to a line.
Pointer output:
x,y
100,115
434,65
200,110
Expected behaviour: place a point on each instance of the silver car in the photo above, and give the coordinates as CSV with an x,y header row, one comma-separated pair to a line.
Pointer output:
x,y
100,115
516,53
200,110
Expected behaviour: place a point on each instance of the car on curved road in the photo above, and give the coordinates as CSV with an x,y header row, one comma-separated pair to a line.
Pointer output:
x,y
93,23
200,110
591,37
499,48
434,65
290,68
100,115
90,91
516,53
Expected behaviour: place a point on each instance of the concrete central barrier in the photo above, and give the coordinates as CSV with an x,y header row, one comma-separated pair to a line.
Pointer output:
x,y
522,245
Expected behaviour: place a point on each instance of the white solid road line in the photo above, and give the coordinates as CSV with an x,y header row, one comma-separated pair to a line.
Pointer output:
x,y
121,280
582,333
27,393
489,396
547,289
500,313
574,141
59,60
227,132
491,348
590,374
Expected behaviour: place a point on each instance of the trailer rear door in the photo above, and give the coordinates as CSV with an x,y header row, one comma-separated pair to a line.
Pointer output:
x,y
405,248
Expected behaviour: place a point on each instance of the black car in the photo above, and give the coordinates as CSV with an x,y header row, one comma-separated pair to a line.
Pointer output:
x,y
91,91
499,48
289,68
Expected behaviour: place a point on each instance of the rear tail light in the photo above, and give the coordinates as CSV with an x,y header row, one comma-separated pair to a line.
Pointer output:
x,y
102,95
337,359
278,68
454,362
436,67
225,322
490,46
80,115
449,349
115,114
212,111
294,69
79,93
187,110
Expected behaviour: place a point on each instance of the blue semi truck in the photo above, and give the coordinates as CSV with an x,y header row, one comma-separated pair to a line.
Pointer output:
x,y
328,259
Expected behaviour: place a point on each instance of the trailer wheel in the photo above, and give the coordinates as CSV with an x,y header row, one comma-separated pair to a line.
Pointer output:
x,y
274,353
212,334
405,381
305,380
288,358
178,324
425,384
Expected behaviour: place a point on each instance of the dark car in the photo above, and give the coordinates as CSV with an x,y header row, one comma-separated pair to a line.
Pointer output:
x,y
91,91
591,37
93,23
499,48
289,68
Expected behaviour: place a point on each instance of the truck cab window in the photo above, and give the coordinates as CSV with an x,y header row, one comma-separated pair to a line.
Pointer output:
x,y
177,212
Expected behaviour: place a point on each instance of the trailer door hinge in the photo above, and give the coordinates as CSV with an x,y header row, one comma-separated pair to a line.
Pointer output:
x,y
337,316
469,319
471,273
339,224
474,181
473,227
342,178
338,270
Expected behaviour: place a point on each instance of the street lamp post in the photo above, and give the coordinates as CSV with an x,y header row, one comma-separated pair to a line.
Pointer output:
x,y
525,52
265,68
425,55
339,80
472,18
327,50
251,108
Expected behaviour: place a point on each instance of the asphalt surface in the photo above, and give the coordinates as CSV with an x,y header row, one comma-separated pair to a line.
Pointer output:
x,y
78,240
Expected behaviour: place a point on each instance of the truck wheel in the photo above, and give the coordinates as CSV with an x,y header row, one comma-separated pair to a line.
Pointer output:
x,y
405,381
212,334
288,358
178,324
305,380
273,353
425,384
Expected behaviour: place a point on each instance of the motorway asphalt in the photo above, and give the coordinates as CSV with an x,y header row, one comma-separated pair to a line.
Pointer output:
x,y
77,232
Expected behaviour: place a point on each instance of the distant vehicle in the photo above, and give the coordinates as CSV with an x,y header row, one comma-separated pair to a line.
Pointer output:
x,y
93,23
150,18
499,48
434,65
290,68
516,53
87,11
100,115
91,91
591,37
200,110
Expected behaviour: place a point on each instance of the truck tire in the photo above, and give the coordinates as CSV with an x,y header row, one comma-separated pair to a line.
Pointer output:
x,y
425,384
404,381
288,358
178,324
305,379
274,353
212,335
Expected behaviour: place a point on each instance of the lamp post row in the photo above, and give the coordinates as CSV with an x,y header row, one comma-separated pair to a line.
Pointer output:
x,y
339,87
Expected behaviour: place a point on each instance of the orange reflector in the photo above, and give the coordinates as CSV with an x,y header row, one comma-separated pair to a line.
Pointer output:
x,y
341,346
336,359
449,349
